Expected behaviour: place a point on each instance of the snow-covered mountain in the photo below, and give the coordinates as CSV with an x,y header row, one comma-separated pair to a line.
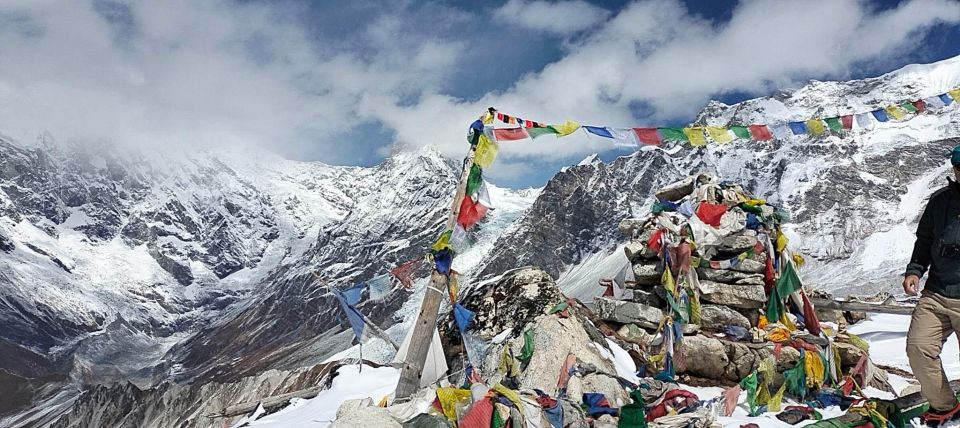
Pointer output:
x,y
207,275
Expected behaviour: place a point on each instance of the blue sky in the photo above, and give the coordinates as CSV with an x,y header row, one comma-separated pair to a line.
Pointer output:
x,y
349,82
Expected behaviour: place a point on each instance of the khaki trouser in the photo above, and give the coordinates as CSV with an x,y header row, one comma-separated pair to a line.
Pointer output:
x,y
934,319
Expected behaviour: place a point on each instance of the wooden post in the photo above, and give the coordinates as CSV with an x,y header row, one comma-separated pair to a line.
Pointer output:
x,y
878,308
412,369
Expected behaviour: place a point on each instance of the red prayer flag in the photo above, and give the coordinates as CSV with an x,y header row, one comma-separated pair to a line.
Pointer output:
x,y
470,212
810,316
528,124
919,104
654,242
711,213
648,136
500,116
510,134
760,132
846,121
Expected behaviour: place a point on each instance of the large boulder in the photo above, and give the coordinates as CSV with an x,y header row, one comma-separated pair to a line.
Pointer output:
x,y
362,413
712,358
632,227
510,303
750,266
737,243
746,296
625,312
716,317
646,274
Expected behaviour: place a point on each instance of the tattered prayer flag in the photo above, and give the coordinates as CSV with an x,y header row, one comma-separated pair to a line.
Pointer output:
x,y
380,287
920,105
864,121
955,94
846,121
798,128
719,135
786,284
624,137
527,351
908,106
486,152
474,179
815,127
539,132
354,317
833,123
403,272
510,134
598,131
672,134
648,136
442,242
740,131
781,131
760,132
463,316
458,238
880,115
352,294
895,112
442,260
695,136
566,128
946,98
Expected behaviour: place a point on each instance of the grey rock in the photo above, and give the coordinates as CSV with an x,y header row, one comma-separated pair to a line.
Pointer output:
x,y
741,296
729,276
627,312
750,266
631,227
676,190
646,274
715,317
647,297
637,251
635,333
737,243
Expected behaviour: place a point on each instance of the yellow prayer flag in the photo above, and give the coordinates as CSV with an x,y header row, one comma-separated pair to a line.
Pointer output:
x,y
442,242
566,128
895,112
776,399
955,94
667,281
816,127
487,118
781,241
719,134
486,152
449,397
695,135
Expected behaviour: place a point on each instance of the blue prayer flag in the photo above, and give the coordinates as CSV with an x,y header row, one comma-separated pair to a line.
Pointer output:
x,y
946,99
463,316
352,294
880,115
443,259
798,128
596,130
354,317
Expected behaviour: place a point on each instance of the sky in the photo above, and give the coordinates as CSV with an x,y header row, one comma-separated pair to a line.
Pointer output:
x,y
350,82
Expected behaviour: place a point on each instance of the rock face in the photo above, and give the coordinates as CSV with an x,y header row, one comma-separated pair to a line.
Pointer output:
x,y
625,312
715,317
740,296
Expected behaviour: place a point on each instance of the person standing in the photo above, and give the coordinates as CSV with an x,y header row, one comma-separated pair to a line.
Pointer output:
x,y
937,314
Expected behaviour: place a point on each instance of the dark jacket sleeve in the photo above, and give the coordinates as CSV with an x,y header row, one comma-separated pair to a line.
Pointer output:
x,y
920,260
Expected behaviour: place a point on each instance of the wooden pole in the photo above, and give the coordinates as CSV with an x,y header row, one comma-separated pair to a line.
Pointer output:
x,y
412,369
862,307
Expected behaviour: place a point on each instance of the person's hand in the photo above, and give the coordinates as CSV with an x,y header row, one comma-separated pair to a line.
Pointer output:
x,y
911,283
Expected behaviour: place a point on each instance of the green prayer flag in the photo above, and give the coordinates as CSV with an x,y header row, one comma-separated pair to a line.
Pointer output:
x,y
786,284
740,131
541,131
796,378
475,179
908,106
750,384
633,415
834,124
496,421
527,350
672,134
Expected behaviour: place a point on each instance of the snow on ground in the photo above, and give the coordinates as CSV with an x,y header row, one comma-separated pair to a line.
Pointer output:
x,y
351,382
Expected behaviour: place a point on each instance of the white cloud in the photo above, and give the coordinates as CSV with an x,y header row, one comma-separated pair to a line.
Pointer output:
x,y
562,18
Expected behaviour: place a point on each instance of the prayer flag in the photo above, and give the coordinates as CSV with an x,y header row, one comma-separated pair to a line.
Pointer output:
x,y
786,284
539,132
442,260
528,123
864,121
798,128
624,137
510,134
815,127
834,124
380,286
500,116
760,132
781,131
352,294
463,316
895,112
672,134
648,136
740,131
443,241
880,115
486,152
566,128
695,136
719,135
919,105
598,131
846,121
474,207
458,238
908,106
946,98
404,271
475,179
354,317
933,102
955,94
